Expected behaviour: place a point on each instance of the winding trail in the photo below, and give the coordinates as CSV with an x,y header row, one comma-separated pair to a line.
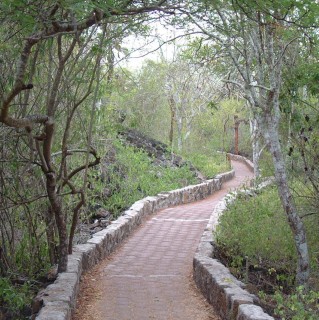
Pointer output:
x,y
150,275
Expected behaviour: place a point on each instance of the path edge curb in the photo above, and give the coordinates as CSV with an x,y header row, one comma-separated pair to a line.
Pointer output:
x,y
58,300
222,290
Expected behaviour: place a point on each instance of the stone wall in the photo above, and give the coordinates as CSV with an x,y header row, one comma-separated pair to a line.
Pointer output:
x,y
242,159
58,300
218,285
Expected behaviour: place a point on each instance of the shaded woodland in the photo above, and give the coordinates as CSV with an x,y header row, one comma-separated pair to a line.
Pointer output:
x,y
245,69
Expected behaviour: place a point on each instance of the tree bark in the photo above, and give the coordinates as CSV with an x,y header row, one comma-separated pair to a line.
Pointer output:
x,y
171,131
254,130
56,207
295,222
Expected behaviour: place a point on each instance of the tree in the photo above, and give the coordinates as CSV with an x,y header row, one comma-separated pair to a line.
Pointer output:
x,y
255,36
56,38
190,91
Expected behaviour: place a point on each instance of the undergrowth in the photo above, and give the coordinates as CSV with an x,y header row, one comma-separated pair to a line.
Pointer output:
x,y
16,298
254,239
132,176
209,164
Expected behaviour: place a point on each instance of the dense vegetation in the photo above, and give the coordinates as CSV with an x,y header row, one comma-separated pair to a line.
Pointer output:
x,y
254,240
247,66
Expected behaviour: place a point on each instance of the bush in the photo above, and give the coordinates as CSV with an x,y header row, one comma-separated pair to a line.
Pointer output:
x,y
209,165
255,227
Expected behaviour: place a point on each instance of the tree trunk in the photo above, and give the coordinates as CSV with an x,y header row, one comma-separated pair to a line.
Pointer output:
x,y
254,130
179,133
56,207
236,138
171,131
296,224
50,235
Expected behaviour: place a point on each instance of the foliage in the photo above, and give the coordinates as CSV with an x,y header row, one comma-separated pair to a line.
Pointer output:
x,y
255,227
51,68
261,40
253,231
299,305
14,298
147,97
266,164
57,47
139,97
209,165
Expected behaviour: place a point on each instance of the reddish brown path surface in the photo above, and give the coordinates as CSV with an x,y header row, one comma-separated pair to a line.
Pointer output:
x,y
150,275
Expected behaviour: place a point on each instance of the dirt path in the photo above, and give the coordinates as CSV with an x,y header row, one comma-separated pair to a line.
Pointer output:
x,y
150,275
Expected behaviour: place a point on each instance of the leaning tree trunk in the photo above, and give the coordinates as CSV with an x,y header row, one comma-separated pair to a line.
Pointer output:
x,y
295,222
171,131
179,122
254,130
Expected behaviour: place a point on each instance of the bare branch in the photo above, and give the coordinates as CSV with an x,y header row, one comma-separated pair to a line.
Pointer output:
x,y
255,85
79,169
235,83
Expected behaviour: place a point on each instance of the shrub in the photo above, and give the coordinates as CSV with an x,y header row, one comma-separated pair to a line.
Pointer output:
x,y
209,164
255,227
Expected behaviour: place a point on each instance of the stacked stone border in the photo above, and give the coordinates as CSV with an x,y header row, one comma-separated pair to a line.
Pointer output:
x,y
241,159
226,293
58,299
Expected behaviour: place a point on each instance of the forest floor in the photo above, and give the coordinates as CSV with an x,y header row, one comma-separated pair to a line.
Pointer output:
x,y
150,275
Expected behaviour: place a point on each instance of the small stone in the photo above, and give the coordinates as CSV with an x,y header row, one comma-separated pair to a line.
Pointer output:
x,y
104,223
52,273
94,225
97,229
37,302
106,192
102,213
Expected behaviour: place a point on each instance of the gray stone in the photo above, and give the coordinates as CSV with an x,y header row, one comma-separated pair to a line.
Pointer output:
x,y
64,289
55,311
152,202
205,248
100,248
235,297
100,233
89,258
138,206
102,213
75,263
133,217
252,312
